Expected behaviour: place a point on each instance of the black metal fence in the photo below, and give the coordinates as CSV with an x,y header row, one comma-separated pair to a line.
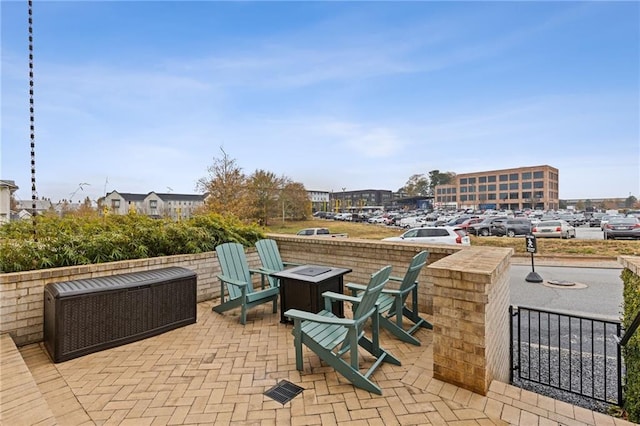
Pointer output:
x,y
575,354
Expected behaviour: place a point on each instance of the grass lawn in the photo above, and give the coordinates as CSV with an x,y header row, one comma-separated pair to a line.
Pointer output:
x,y
546,246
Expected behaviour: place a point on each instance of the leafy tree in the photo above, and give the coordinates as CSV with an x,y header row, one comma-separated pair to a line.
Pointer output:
x,y
227,187
263,190
580,205
295,200
588,204
13,203
417,185
630,201
437,178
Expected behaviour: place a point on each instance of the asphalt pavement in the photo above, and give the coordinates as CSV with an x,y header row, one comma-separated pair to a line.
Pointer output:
x,y
597,289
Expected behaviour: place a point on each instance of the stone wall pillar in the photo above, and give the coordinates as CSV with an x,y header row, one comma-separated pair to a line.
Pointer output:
x,y
471,317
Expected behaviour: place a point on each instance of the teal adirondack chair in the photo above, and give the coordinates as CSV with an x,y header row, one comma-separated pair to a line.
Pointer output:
x,y
271,260
331,337
392,303
236,277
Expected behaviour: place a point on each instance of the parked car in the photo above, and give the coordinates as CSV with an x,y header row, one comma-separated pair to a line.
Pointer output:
x,y
606,218
467,223
622,227
411,221
485,227
554,229
595,220
434,235
512,227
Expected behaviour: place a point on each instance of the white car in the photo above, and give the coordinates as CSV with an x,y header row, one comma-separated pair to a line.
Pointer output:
x,y
554,229
434,235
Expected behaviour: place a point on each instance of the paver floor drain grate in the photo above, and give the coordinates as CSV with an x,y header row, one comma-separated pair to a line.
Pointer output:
x,y
284,391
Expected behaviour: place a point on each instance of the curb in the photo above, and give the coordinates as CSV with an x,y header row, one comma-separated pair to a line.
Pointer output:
x,y
603,262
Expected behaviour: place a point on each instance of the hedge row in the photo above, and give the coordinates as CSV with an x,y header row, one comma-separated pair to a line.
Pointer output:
x,y
73,240
631,351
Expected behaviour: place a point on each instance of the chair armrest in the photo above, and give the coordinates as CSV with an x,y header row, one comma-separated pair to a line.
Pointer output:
x,y
342,297
231,281
392,278
309,316
353,286
267,270
291,263
258,271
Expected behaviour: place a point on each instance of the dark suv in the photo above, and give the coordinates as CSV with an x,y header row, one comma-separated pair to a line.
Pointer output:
x,y
512,227
485,227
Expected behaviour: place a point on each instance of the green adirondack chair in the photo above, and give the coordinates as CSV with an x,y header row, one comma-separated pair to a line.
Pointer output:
x,y
236,277
331,337
392,306
271,260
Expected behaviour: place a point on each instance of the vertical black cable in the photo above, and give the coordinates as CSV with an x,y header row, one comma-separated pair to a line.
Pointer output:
x,y
32,126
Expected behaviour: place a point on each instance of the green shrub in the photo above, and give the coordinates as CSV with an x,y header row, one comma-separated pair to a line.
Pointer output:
x,y
73,240
631,351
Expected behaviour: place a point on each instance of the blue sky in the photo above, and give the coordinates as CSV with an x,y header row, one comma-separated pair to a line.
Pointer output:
x,y
141,96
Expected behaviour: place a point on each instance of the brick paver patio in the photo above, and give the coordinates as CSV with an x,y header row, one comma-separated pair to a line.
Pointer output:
x,y
216,372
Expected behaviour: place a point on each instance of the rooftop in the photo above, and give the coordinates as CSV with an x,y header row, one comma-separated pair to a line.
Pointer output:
x,y
216,372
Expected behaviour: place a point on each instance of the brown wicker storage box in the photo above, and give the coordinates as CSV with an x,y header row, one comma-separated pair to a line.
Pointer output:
x,y
89,315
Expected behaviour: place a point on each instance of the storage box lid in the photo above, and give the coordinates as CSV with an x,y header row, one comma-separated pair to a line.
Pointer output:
x,y
118,281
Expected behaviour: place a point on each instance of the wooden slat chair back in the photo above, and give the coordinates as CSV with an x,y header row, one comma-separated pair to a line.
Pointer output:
x,y
392,304
271,260
332,338
236,278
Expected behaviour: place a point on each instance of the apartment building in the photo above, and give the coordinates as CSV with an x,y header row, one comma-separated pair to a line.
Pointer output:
x,y
364,199
534,187
7,187
175,206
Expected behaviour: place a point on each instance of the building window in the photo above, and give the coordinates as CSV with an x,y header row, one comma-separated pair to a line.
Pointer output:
x,y
472,180
463,189
513,176
504,186
538,184
153,204
472,197
538,194
463,198
491,196
504,178
513,195
526,176
482,179
115,204
491,178
463,181
538,175
482,197
491,187
513,185
526,185
471,188
526,195
504,195
482,188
